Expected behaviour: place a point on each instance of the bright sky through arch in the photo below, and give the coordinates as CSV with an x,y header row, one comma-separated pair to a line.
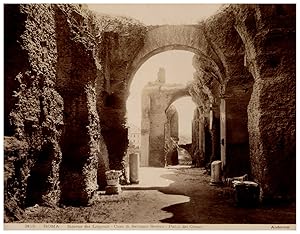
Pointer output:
x,y
178,64
179,69
185,108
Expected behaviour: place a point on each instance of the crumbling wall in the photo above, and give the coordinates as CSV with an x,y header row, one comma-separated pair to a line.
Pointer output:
x,y
198,154
15,172
85,158
171,136
121,39
16,168
171,128
204,139
158,100
201,93
215,136
260,136
171,152
56,69
159,96
210,149
235,88
14,26
36,116
268,32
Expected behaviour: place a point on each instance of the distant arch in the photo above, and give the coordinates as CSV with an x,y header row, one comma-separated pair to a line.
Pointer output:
x,y
180,93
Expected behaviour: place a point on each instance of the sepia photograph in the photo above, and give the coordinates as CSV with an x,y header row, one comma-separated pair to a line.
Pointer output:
x,y
149,116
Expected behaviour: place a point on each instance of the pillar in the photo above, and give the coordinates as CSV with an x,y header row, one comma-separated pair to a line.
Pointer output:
x,y
223,131
134,166
201,139
145,129
156,138
215,133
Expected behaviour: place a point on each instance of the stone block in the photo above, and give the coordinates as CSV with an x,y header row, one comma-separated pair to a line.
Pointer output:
x,y
216,172
246,193
116,189
134,165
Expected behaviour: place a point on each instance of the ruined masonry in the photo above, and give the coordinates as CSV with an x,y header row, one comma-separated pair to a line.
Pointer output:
x,y
67,74
157,98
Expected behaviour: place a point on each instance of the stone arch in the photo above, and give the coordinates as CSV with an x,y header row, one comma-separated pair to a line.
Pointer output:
x,y
233,93
172,117
177,95
170,37
180,151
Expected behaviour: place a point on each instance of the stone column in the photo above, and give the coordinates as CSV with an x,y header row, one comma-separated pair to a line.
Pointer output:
x,y
145,129
134,166
201,139
195,136
174,132
215,133
156,139
211,117
223,131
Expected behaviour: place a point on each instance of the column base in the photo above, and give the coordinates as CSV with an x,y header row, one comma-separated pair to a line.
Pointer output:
x,y
113,189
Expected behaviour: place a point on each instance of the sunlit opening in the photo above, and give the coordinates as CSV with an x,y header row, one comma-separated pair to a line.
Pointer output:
x,y
185,108
178,67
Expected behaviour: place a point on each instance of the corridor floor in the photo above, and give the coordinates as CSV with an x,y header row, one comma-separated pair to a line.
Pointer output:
x,y
166,195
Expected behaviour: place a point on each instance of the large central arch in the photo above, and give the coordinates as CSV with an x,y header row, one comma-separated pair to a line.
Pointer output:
x,y
171,37
159,39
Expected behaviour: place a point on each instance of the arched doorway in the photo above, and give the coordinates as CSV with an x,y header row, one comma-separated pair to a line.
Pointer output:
x,y
179,131
156,98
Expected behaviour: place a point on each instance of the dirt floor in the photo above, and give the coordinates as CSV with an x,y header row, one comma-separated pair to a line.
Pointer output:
x,y
166,195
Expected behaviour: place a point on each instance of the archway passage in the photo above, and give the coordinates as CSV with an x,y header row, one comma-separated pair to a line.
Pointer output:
x,y
156,100
178,132
157,96
159,39
170,37
178,69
